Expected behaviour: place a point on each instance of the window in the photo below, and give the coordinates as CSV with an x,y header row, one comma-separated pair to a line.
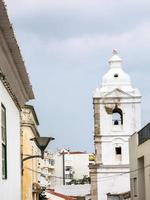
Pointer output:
x,y
116,75
117,117
135,187
118,155
4,142
52,162
69,176
68,168
118,150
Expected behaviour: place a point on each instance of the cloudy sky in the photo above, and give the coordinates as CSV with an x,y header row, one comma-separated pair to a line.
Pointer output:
x,y
66,45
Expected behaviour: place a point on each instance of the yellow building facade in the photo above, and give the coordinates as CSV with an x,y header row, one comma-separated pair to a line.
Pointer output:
x,y
30,168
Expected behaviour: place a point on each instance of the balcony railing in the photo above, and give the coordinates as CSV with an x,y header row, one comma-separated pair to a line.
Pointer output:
x,y
144,134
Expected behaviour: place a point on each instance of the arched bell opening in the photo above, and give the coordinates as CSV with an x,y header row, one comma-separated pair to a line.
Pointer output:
x,y
117,116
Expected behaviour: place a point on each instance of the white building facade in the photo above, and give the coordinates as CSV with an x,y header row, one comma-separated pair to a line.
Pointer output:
x,y
15,90
116,116
47,169
65,168
71,167
140,164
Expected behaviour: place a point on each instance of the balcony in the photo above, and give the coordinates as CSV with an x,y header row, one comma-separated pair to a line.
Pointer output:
x,y
48,163
68,176
144,134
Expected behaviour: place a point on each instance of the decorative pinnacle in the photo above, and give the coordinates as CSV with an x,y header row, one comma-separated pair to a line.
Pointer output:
x,y
114,52
115,61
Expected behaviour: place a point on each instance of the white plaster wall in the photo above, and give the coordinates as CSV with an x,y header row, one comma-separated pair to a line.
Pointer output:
x,y
133,143
108,150
131,119
113,136
58,170
112,183
80,163
144,150
11,187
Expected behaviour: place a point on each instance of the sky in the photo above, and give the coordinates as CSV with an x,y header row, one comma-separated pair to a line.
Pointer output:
x,y
66,45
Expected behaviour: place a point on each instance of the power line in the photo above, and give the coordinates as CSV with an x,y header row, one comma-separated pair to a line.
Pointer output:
x,y
43,174
104,178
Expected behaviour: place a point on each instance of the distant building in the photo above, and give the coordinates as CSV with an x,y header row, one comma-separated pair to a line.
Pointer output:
x,y
15,91
121,196
71,167
30,175
47,168
65,167
117,115
140,164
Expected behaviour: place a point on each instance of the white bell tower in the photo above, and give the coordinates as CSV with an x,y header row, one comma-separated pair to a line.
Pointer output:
x,y
117,115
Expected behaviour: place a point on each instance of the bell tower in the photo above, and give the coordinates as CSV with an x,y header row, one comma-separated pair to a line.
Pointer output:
x,y
117,115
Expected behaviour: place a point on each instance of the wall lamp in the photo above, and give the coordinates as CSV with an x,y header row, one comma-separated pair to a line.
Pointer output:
x,y
41,143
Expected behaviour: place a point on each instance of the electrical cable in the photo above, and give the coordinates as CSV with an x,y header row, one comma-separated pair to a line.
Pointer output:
x,y
101,178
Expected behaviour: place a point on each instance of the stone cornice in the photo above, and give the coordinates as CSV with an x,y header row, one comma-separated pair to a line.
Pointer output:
x,y
30,107
33,128
94,166
112,100
114,135
29,119
9,90
114,166
101,166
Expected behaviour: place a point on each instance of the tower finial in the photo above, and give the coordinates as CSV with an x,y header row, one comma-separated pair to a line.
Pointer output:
x,y
115,60
114,52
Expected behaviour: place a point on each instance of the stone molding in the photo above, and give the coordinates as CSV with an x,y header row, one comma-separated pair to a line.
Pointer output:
x,y
9,90
33,128
29,119
112,100
28,112
114,166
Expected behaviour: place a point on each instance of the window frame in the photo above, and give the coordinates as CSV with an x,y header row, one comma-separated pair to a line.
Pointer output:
x,y
3,142
118,150
118,111
135,186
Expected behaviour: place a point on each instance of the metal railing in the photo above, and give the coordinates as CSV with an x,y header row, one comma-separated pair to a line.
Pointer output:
x,y
144,134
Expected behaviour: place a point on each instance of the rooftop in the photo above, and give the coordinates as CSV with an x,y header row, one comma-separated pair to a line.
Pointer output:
x,y
116,79
52,195
144,134
14,68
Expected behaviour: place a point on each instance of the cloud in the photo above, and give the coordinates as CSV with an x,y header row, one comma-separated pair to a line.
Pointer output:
x,y
66,45
38,6
84,46
65,18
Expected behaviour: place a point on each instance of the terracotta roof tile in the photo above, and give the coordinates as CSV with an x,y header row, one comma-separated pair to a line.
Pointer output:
x,y
61,195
